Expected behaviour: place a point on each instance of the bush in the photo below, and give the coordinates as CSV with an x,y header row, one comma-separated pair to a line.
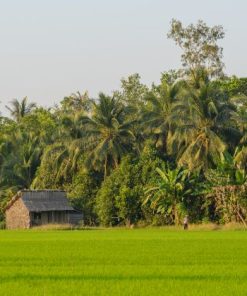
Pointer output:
x,y
121,195
82,193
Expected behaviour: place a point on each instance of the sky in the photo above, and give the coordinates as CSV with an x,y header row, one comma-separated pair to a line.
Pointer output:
x,y
52,48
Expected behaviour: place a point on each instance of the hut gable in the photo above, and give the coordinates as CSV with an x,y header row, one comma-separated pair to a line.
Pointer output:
x,y
17,209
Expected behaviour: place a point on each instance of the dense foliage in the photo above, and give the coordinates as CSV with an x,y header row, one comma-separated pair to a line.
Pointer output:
x,y
147,155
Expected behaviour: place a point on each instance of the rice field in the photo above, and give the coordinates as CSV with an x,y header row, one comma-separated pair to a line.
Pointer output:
x,y
123,262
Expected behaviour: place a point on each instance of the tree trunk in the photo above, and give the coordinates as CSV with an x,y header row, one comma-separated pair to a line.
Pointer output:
x,y
176,215
105,167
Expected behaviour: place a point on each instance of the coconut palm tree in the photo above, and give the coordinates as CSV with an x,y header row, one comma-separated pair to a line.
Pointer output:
x,y
108,134
101,138
203,120
67,148
156,114
20,157
77,102
18,109
240,119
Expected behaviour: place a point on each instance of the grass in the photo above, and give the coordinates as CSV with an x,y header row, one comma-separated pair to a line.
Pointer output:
x,y
123,262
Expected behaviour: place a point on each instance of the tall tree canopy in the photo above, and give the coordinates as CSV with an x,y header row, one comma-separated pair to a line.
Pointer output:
x,y
199,45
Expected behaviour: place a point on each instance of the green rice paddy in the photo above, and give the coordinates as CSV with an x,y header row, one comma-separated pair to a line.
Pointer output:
x,y
123,262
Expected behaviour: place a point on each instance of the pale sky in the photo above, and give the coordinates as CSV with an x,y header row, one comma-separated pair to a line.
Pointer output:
x,y
52,48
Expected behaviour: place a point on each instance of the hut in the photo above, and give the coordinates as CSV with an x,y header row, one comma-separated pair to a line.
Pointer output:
x,y
30,208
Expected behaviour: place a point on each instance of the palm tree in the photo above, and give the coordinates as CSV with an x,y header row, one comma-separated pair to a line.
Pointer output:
x,y
101,139
203,120
156,114
240,119
21,108
20,157
71,146
108,133
68,147
77,102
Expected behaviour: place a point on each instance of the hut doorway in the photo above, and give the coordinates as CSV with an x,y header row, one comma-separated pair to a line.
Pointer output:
x,y
36,218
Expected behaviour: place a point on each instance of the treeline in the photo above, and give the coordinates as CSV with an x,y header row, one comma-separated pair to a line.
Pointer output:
x,y
147,155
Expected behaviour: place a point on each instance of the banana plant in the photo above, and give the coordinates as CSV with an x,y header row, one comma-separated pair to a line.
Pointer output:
x,y
166,196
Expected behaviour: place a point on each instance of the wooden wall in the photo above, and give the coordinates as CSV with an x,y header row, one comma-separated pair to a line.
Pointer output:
x,y
51,217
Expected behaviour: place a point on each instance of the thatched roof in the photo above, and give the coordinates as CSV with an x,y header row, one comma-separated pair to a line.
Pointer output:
x,y
43,200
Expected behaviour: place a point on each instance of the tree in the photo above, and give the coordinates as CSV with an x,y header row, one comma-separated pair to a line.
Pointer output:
x,y
157,112
108,134
227,188
132,95
21,154
47,174
233,86
200,48
76,102
21,148
132,91
120,197
82,191
203,120
240,118
19,109
166,196
67,147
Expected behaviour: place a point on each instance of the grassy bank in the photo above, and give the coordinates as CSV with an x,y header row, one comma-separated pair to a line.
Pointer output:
x,y
123,262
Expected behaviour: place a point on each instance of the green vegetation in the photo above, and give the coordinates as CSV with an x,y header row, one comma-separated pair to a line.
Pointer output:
x,y
123,262
144,155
